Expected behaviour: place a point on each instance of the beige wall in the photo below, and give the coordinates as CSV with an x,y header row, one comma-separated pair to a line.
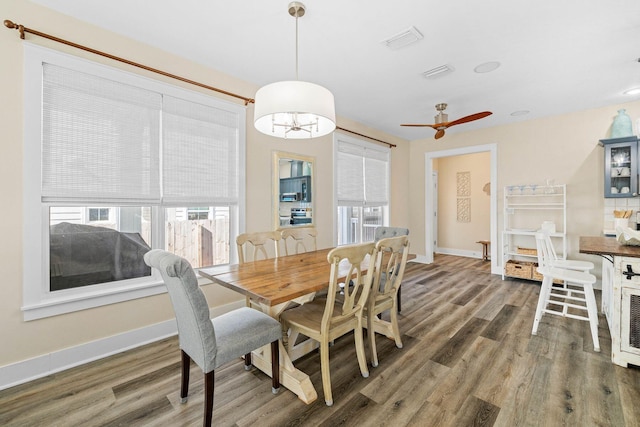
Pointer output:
x,y
564,148
461,237
23,340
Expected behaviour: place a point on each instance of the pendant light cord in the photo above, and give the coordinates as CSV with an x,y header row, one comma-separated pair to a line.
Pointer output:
x,y
297,78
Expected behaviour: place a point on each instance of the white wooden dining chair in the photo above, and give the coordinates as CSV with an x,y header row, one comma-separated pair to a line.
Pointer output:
x,y
383,232
325,319
389,268
258,245
299,239
255,246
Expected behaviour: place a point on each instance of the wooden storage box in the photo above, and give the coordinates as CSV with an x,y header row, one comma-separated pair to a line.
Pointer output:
x,y
518,269
526,251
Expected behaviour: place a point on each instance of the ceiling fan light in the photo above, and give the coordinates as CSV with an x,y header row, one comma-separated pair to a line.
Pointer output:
x,y
634,91
294,110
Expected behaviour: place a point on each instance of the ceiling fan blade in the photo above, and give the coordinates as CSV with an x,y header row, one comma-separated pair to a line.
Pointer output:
x,y
470,118
439,134
418,125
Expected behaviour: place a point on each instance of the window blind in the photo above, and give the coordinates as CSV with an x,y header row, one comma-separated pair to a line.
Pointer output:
x,y
109,142
362,174
200,153
100,139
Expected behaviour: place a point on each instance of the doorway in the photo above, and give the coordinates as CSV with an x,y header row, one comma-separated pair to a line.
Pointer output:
x,y
431,201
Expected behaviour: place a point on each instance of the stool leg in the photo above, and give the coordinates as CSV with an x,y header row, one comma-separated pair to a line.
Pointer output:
x,y
591,298
545,288
592,309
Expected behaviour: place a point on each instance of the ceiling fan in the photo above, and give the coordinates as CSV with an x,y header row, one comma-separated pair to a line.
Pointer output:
x,y
441,120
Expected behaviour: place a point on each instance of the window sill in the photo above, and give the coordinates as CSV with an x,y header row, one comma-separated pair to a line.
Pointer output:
x,y
70,303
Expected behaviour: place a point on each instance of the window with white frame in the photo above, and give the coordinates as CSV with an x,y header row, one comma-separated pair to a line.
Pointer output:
x,y
362,188
115,165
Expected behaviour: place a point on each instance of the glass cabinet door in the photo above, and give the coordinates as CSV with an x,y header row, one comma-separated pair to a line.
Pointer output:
x,y
621,167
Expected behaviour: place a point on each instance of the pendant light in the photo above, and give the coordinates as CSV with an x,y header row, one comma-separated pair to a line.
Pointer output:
x,y
294,109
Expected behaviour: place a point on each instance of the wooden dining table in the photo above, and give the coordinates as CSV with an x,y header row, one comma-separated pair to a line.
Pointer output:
x,y
274,284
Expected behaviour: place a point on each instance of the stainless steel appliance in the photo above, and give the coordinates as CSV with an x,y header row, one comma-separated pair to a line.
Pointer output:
x,y
300,216
290,197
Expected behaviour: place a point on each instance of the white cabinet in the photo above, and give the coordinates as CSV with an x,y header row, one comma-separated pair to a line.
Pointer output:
x,y
622,308
526,207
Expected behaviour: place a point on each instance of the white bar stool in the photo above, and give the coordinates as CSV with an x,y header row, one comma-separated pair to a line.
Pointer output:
x,y
551,259
577,293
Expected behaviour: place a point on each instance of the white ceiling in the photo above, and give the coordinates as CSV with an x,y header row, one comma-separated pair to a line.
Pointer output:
x,y
556,56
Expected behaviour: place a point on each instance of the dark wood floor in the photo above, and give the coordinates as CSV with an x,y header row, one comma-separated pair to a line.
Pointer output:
x,y
468,359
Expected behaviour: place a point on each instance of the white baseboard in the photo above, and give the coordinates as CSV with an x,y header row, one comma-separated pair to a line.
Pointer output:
x,y
459,252
422,259
46,364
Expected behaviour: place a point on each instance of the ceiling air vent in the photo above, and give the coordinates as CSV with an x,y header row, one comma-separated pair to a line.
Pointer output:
x,y
404,38
438,71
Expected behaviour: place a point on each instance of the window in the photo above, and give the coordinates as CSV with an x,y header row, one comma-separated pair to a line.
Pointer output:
x,y
117,164
99,214
362,187
197,213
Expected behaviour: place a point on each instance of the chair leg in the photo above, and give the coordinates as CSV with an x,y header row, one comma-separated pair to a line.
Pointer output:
x,y
542,302
394,327
362,358
247,361
592,310
208,398
326,375
184,386
372,337
275,367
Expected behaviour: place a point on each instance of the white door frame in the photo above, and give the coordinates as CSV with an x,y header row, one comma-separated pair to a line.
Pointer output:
x,y
429,199
434,184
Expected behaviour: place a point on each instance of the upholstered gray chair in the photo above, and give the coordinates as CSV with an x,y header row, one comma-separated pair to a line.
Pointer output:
x,y
384,233
211,343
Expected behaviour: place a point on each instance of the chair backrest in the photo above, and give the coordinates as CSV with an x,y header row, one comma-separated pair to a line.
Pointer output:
x,y
302,238
349,261
389,266
384,232
257,241
544,249
195,330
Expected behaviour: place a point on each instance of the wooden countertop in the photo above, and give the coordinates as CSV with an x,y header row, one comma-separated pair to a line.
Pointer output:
x,y
598,245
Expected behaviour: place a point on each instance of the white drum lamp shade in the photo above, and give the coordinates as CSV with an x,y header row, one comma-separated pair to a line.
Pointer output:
x,y
294,110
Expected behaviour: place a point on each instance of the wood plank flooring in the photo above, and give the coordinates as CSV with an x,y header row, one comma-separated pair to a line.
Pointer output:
x,y
468,359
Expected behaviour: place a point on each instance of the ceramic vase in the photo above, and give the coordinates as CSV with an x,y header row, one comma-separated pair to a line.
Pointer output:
x,y
621,125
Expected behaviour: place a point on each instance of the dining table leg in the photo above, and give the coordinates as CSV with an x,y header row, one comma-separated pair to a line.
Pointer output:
x,y
290,377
